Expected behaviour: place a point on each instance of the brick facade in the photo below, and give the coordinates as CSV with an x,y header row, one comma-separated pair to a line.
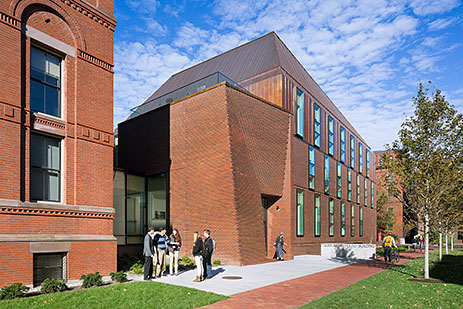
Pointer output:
x,y
81,34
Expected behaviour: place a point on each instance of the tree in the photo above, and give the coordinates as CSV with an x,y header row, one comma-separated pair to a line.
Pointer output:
x,y
427,159
385,219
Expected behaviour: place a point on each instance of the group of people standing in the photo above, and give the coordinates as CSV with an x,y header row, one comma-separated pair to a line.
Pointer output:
x,y
158,244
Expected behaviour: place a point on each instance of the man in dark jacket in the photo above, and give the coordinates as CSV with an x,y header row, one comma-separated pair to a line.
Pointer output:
x,y
207,254
148,252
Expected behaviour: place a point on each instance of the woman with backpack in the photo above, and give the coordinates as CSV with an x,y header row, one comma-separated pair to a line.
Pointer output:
x,y
174,251
198,254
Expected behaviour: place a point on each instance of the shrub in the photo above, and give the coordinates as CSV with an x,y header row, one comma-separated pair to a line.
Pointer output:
x,y
120,276
186,263
13,291
216,263
137,268
126,261
92,279
52,286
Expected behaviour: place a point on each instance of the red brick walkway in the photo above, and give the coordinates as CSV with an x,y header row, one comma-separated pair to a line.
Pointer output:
x,y
297,292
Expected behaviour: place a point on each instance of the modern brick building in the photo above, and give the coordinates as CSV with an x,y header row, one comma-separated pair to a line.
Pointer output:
x,y
248,145
392,203
56,140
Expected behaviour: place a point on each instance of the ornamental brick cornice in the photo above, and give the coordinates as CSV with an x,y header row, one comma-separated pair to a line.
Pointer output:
x,y
92,12
84,55
10,21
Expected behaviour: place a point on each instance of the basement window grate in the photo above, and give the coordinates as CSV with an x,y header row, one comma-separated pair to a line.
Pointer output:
x,y
49,265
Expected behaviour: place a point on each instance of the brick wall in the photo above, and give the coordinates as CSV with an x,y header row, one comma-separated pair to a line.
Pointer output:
x,y
86,28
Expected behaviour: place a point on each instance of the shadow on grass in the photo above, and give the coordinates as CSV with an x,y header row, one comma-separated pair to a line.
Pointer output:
x,y
450,270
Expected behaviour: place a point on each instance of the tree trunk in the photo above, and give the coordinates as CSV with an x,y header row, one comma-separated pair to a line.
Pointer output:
x,y
451,244
440,247
426,247
446,244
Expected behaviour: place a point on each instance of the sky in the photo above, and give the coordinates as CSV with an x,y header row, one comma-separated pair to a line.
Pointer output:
x,y
368,56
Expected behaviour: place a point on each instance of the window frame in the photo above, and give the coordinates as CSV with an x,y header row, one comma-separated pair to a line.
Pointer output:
x,y
365,189
60,88
316,125
330,136
361,222
357,190
331,217
342,148
368,163
44,169
299,213
343,219
372,196
317,215
349,184
326,183
352,152
311,167
352,220
339,180
299,112
360,158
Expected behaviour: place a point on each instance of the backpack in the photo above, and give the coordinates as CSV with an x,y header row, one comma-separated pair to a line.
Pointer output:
x,y
213,245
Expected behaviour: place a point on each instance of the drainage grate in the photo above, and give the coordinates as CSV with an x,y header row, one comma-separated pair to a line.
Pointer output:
x,y
49,265
232,277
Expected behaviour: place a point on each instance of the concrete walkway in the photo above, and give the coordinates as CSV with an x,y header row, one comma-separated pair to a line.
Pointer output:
x,y
297,292
255,276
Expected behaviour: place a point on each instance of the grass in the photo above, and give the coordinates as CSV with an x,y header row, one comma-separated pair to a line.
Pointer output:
x,y
390,289
128,295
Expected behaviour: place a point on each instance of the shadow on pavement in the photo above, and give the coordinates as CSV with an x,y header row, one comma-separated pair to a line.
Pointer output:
x,y
450,270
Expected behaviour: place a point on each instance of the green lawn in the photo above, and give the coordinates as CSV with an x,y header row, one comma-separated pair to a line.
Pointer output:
x,y
128,295
390,289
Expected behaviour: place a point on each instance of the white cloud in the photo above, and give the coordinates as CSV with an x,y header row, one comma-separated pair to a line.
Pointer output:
x,y
441,23
422,8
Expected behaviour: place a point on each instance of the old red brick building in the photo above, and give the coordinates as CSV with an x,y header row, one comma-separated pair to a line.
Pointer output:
x,y
56,120
247,145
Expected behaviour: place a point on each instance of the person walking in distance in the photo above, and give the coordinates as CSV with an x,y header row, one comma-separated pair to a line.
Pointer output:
x,y
148,252
207,254
162,241
279,243
198,246
388,242
174,251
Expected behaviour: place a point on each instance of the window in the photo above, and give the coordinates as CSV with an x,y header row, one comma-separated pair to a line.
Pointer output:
x,y
349,184
390,192
339,180
352,151
45,175
360,158
300,213
343,145
361,221
365,192
317,215
381,160
358,189
343,219
299,112
311,167
316,125
330,135
327,174
48,265
331,217
352,220
372,195
368,163
135,203
45,83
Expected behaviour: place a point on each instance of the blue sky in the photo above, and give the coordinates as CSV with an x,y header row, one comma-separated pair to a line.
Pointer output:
x,y
368,56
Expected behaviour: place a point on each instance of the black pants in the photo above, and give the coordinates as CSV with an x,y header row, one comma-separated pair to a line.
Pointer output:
x,y
148,269
387,253
206,261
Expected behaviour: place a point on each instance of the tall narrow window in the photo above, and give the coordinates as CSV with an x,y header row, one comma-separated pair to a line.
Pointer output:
x,y
331,217
349,184
45,175
316,124
365,190
361,221
327,174
358,189
343,145
368,163
311,167
299,112
360,158
339,180
330,135
343,219
372,196
300,213
352,151
317,215
45,84
352,220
